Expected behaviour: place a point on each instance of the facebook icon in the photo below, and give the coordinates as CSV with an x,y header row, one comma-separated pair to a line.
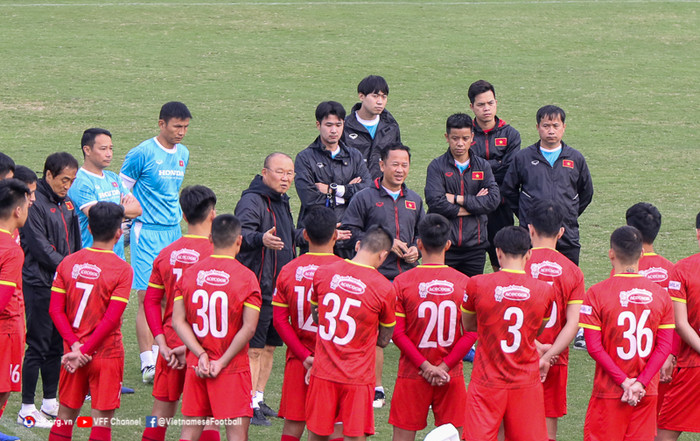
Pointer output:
x,y
151,421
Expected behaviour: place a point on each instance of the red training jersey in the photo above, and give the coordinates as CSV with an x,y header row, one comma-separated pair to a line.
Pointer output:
x,y
684,287
90,279
215,291
11,261
655,268
294,286
428,297
167,271
510,308
353,301
627,309
551,266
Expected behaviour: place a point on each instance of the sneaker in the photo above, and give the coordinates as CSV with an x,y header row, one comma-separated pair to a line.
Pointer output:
x,y
267,411
127,390
259,418
379,399
470,356
148,373
34,419
50,412
580,343
4,437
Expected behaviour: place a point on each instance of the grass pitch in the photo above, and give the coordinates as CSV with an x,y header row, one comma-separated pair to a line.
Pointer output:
x,y
252,73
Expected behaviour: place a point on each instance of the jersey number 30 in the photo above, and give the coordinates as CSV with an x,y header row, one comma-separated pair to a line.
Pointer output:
x,y
212,323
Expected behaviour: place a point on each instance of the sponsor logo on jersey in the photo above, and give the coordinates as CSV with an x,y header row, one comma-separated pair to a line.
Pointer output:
x,y
348,284
182,163
305,272
512,292
171,173
352,135
115,185
568,163
436,288
477,176
69,205
107,194
674,285
410,205
213,277
184,255
586,309
449,174
465,298
86,271
501,142
159,161
545,269
655,274
637,296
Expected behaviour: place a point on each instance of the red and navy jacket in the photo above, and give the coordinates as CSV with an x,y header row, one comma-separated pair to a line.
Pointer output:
x,y
498,146
400,217
444,177
568,182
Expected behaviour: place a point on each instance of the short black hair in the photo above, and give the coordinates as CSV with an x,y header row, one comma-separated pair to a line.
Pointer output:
x,y
376,239
458,121
225,230
104,219
373,84
25,174
330,108
434,232
385,151
546,217
550,112
266,163
174,109
627,243
7,165
697,221
13,193
646,218
513,240
197,201
319,223
57,162
479,87
89,136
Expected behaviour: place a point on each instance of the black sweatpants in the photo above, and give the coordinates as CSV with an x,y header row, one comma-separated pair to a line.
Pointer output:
x,y
469,261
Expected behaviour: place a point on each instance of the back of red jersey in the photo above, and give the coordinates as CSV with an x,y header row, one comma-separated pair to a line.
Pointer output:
x,y
627,309
90,278
353,301
684,287
655,268
215,291
11,261
294,286
428,297
510,308
553,267
168,268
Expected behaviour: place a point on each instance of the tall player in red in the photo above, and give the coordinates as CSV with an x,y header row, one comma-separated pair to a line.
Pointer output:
x,y
507,309
199,209
354,307
549,265
292,316
432,347
14,206
89,295
679,411
628,326
215,312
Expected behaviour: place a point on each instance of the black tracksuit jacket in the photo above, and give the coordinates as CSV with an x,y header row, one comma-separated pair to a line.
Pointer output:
x,y
498,146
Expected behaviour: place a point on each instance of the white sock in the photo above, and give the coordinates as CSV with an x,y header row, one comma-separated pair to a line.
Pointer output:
x,y
155,351
146,359
257,398
379,388
27,409
48,403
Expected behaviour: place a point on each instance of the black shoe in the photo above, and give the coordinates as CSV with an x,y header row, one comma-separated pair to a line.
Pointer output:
x,y
259,418
267,411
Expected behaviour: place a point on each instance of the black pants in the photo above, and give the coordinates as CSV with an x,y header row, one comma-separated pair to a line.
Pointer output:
x,y
44,345
499,218
571,252
469,261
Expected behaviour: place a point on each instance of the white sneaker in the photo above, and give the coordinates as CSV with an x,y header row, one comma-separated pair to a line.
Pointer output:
x,y
34,419
148,374
50,412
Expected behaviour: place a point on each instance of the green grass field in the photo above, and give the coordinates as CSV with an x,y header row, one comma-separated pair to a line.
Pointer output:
x,y
253,72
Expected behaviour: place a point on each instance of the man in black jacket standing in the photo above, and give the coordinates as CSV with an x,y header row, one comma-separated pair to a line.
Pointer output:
x,y
268,244
550,169
52,232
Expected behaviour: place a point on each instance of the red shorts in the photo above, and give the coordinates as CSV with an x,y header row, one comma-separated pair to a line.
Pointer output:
x,y
168,382
226,396
11,357
520,410
294,388
328,402
555,391
676,411
102,378
662,389
609,419
413,397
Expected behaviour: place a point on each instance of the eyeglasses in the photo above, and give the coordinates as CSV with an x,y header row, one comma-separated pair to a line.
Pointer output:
x,y
283,173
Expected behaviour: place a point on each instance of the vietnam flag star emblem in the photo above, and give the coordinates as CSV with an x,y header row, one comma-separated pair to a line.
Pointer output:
x,y
568,163
410,205
501,142
69,205
477,176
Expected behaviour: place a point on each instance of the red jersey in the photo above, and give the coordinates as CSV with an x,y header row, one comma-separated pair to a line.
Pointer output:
x,y
11,261
167,270
684,287
294,286
428,297
215,291
553,267
627,309
90,279
353,301
510,308
655,268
